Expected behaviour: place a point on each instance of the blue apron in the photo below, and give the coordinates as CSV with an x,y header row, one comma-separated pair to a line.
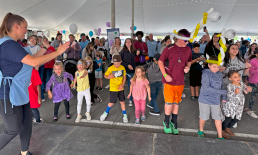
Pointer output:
x,y
19,94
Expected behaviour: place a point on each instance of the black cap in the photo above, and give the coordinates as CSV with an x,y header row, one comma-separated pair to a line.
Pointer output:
x,y
117,58
156,56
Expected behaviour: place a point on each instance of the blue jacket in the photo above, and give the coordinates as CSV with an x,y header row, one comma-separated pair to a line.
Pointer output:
x,y
243,49
211,90
152,47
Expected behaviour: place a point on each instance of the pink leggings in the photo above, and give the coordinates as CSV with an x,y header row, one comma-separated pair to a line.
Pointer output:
x,y
139,107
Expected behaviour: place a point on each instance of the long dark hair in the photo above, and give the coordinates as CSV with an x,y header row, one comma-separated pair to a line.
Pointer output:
x,y
8,22
227,58
210,44
125,47
250,49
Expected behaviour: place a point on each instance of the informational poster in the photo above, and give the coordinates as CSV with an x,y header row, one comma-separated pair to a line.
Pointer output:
x,y
111,35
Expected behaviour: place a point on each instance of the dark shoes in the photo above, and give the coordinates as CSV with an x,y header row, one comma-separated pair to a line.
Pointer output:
x,y
28,153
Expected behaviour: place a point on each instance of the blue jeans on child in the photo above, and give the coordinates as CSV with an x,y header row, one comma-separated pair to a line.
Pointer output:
x,y
155,89
44,78
129,76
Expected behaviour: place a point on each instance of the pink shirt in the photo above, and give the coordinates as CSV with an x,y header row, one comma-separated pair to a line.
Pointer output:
x,y
139,89
253,71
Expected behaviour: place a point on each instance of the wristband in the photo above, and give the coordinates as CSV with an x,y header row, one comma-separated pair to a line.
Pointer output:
x,y
165,75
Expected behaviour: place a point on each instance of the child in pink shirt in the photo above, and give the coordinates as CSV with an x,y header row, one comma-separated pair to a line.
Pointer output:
x,y
139,87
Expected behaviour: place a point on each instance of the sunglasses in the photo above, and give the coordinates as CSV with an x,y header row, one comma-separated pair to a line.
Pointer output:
x,y
186,41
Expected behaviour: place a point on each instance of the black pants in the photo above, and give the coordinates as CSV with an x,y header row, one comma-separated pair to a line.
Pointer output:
x,y
17,120
229,122
151,59
36,114
93,96
57,105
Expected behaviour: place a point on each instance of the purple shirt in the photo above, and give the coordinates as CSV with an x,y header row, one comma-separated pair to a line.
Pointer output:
x,y
74,54
60,91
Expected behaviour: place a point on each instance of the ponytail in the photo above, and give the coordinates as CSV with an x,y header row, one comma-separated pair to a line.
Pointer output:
x,y
8,22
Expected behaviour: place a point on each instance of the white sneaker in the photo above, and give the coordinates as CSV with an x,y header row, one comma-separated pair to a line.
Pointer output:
x,y
88,116
103,116
43,100
78,119
252,114
34,120
125,119
41,120
130,103
235,125
183,95
107,86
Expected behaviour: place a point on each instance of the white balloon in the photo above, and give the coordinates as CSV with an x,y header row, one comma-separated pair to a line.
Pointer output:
x,y
214,16
230,34
73,28
96,31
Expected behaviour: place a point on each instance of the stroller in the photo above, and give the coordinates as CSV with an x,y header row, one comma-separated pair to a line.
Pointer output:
x,y
70,66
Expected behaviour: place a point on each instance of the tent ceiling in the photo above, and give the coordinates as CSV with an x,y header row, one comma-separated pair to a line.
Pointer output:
x,y
151,16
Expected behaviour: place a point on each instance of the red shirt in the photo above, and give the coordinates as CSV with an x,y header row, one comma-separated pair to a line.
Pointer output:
x,y
51,63
142,46
33,92
172,66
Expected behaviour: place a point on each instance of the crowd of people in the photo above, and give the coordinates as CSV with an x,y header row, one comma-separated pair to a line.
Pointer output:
x,y
148,67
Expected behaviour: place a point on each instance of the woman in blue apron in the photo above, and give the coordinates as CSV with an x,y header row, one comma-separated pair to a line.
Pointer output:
x,y
16,65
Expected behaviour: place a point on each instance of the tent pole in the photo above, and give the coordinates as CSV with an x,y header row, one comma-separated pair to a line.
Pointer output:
x,y
132,18
113,15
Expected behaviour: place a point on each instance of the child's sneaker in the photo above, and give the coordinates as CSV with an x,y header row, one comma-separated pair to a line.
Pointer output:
x,y
252,114
43,100
183,95
220,138
174,130
143,118
88,116
200,134
130,103
107,86
193,98
78,119
55,118
97,88
167,130
137,121
125,119
68,116
100,89
235,125
103,116
148,105
98,98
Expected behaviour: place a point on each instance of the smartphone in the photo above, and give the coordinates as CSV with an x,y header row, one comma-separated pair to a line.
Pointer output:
x,y
204,28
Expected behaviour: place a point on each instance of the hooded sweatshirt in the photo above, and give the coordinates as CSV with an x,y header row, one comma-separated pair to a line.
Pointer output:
x,y
154,72
211,90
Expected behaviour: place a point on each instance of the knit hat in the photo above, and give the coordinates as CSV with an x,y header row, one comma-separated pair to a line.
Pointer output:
x,y
156,56
117,58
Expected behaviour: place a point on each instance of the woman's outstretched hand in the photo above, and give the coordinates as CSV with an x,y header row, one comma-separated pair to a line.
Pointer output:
x,y
61,49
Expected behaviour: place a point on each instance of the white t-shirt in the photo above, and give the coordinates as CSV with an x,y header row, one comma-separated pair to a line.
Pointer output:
x,y
34,49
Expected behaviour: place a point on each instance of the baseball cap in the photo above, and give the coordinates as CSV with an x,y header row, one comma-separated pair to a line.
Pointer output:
x,y
156,56
83,34
117,58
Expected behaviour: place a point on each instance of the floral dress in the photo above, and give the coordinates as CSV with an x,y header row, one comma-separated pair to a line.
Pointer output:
x,y
235,104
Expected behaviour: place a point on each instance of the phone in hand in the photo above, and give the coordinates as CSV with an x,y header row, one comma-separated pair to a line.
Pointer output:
x,y
204,28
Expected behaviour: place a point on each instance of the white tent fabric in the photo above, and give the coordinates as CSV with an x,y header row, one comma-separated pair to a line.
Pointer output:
x,y
159,17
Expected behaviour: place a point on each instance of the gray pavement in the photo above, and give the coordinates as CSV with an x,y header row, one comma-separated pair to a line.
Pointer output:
x,y
53,139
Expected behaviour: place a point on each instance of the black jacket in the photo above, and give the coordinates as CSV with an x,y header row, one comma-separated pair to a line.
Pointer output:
x,y
128,58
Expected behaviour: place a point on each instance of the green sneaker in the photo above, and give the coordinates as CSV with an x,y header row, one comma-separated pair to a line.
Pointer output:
x,y
220,138
167,130
200,134
174,131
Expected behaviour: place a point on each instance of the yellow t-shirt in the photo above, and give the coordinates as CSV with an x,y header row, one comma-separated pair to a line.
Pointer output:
x,y
83,83
119,74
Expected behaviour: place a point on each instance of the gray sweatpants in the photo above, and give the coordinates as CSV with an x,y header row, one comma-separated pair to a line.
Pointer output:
x,y
17,120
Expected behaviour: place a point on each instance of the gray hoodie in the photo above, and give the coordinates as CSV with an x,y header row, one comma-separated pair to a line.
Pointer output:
x,y
154,72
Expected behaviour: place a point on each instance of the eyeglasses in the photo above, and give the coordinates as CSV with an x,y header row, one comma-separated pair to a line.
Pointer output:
x,y
186,41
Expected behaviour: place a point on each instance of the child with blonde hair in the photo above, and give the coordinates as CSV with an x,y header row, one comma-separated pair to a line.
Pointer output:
x,y
139,85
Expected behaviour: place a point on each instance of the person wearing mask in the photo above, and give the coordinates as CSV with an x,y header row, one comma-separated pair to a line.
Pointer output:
x,y
152,47
89,50
139,44
73,52
84,42
128,61
167,41
16,64
204,41
56,44
212,47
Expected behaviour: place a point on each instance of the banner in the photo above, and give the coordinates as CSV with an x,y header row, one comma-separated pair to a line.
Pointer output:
x,y
111,35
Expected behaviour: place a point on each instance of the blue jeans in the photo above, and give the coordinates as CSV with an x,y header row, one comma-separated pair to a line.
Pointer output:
x,y
129,76
155,89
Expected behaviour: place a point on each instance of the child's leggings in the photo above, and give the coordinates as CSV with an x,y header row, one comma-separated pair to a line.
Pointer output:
x,y
80,95
229,122
57,105
254,95
139,107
